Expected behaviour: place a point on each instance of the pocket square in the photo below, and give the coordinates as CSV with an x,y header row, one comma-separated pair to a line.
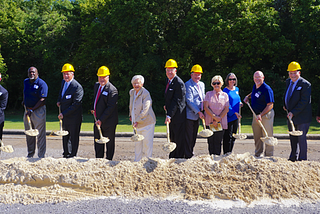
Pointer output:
x,y
299,88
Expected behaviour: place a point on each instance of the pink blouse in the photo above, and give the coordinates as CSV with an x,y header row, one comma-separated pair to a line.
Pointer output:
x,y
217,102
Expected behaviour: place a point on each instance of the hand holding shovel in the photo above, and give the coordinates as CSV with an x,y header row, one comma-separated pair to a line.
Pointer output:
x,y
168,146
30,132
294,132
102,139
61,132
205,132
7,148
271,141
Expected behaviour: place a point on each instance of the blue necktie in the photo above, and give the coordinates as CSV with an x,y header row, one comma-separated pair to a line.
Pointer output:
x,y
289,93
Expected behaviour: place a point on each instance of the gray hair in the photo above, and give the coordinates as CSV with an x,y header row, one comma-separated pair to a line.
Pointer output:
x,y
227,79
139,77
215,78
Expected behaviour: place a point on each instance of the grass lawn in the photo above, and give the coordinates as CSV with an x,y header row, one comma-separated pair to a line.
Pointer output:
x,y
15,121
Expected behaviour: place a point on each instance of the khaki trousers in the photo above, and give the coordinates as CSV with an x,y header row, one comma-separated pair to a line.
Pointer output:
x,y
267,121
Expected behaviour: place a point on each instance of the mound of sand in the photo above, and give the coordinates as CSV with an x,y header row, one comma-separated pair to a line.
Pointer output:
x,y
204,177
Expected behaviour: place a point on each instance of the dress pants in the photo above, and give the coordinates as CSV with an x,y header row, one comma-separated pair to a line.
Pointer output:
x,y
99,148
146,145
299,143
178,136
228,139
1,129
192,127
214,142
38,121
71,141
267,121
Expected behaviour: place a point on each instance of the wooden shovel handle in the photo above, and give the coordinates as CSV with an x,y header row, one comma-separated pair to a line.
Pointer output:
x,y
204,123
264,130
168,136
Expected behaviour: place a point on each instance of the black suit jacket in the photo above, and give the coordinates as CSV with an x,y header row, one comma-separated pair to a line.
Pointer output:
x,y
175,100
106,107
71,102
300,101
3,102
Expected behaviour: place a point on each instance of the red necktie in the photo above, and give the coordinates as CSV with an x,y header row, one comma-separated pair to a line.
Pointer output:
x,y
97,97
167,86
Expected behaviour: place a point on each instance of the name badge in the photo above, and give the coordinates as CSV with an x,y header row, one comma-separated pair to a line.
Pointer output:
x,y
36,86
105,93
257,95
68,96
237,92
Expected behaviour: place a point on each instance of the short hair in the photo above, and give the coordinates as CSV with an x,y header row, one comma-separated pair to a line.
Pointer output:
x,y
217,77
139,77
227,79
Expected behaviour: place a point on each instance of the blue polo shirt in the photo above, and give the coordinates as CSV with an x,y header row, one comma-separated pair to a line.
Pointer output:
x,y
234,103
260,97
33,92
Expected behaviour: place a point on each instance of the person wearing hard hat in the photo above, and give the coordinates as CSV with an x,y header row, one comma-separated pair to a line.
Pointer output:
x,y
34,95
194,98
262,100
175,107
70,104
105,109
297,102
3,104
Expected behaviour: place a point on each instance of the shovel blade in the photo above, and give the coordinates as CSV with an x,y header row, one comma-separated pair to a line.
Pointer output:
x,y
206,133
296,133
271,141
169,147
32,132
61,133
137,137
240,136
102,140
7,148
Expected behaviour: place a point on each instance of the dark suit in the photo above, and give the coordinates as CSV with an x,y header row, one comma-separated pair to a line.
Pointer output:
x,y
3,105
107,113
175,104
300,106
71,108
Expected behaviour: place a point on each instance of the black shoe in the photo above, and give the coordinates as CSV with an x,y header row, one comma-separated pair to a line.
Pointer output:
x,y
292,160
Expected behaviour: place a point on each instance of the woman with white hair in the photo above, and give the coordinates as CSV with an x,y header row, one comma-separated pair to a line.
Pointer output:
x,y
142,117
216,106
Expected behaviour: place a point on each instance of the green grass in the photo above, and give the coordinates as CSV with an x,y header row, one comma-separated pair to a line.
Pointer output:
x,y
15,121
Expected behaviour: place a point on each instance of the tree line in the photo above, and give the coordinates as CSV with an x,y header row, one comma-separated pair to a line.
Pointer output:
x,y
138,37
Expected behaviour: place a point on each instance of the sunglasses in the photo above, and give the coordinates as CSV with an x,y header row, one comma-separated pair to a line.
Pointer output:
x,y
216,83
232,79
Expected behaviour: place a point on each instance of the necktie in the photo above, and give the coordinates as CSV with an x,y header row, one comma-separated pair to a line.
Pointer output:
x,y
97,97
65,86
167,86
289,93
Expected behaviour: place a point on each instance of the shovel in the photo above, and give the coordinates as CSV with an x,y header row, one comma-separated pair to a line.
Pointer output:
x,y
168,146
271,141
136,137
30,132
102,139
294,132
205,132
7,148
61,132
239,135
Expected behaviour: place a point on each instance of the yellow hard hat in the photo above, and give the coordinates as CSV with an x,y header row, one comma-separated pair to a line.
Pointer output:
x,y
67,67
196,69
171,63
103,71
294,66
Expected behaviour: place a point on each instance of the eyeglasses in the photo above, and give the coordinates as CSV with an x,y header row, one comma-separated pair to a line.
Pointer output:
x,y
216,83
232,79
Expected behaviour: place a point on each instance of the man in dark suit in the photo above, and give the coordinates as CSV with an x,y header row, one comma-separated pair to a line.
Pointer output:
x,y
297,101
69,101
3,105
106,111
175,106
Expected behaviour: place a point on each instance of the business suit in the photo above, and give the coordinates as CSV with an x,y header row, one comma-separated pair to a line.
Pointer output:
x,y
3,105
107,112
299,104
194,100
175,104
71,109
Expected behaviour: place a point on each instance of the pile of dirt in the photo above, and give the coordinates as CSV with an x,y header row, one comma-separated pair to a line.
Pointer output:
x,y
233,177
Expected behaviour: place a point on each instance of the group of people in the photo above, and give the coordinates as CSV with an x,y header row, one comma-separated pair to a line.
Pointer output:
x,y
185,105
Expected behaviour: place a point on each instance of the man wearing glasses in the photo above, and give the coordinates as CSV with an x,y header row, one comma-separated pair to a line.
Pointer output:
x,y
297,102
262,100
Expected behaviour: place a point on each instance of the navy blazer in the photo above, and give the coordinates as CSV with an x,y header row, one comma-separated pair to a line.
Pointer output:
x,y
175,100
106,107
300,101
71,102
3,102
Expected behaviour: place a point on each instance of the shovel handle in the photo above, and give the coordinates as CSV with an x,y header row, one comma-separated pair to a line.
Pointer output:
x,y
134,130
264,130
203,123
168,137
291,122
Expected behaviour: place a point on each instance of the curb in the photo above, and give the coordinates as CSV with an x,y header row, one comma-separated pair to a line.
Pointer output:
x,y
156,134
